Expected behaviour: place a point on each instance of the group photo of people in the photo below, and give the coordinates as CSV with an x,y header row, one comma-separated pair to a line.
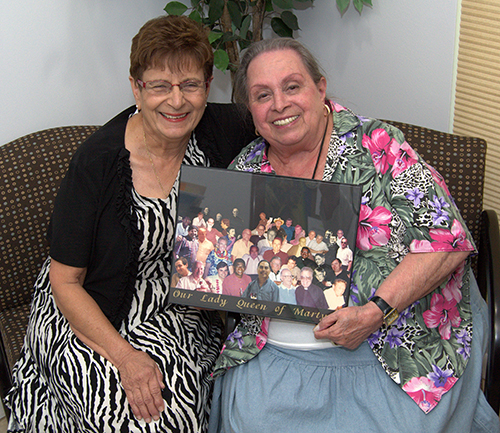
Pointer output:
x,y
254,255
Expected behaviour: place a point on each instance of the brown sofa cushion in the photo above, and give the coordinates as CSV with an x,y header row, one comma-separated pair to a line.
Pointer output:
x,y
31,169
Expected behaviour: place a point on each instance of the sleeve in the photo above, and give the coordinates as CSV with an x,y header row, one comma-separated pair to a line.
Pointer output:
x,y
72,224
408,197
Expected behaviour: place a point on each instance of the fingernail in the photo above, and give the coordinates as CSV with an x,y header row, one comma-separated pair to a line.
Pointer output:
x,y
316,328
148,420
156,417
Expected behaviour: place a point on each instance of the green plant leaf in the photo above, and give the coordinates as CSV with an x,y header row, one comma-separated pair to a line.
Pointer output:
x,y
175,8
290,20
221,60
280,28
343,5
284,4
215,9
245,25
214,36
234,13
358,4
195,16
269,6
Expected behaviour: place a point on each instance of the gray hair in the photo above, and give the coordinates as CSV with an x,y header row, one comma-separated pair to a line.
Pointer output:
x,y
240,93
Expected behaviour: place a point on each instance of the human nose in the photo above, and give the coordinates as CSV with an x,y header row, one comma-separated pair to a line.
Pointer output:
x,y
280,101
175,98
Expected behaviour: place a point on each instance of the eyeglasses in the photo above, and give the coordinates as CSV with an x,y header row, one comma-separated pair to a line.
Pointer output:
x,y
162,87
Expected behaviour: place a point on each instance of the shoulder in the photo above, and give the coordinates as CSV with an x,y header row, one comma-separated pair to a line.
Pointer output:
x,y
109,140
250,155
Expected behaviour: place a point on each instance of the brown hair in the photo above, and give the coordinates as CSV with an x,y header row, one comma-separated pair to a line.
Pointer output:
x,y
178,40
240,93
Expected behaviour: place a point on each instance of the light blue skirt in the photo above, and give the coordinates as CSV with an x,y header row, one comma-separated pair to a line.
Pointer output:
x,y
339,390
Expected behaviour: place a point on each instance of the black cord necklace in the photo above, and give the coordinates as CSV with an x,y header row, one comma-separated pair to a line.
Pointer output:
x,y
320,149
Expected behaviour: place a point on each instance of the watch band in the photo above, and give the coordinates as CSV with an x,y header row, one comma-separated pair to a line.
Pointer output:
x,y
390,313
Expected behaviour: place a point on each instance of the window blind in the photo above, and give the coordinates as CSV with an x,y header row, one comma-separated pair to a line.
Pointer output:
x,y
477,97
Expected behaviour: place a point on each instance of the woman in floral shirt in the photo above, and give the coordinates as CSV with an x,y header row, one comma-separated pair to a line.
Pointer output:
x,y
412,255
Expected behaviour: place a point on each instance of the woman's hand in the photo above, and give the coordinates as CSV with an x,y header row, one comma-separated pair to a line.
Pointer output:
x,y
417,275
350,326
140,376
143,383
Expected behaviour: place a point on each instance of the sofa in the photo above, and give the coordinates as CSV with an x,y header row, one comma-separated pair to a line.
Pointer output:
x,y
32,167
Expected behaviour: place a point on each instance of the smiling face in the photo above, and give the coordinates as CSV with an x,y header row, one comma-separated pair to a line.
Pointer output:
x,y
172,117
276,245
254,251
306,278
222,244
239,269
336,266
263,270
181,268
286,105
199,267
223,272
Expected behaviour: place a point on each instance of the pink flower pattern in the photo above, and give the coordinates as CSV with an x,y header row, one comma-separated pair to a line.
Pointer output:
x,y
450,240
443,313
372,227
387,152
425,393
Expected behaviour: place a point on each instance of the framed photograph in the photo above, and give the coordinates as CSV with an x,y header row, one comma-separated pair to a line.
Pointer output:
x,y
262,244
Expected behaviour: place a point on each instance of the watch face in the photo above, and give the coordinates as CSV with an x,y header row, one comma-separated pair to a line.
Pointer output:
x,y
391,317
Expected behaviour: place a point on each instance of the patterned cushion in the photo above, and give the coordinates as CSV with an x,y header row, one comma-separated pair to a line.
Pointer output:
x,y
31,169
13,323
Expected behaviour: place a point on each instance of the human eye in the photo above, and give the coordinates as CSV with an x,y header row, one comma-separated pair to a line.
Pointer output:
x,y
261,96
191,85
160,86
292,88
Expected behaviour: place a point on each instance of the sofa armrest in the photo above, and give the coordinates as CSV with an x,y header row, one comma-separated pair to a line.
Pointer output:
x,y
489,285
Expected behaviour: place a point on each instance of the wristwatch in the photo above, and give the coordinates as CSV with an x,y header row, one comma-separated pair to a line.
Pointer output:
x,y
390,313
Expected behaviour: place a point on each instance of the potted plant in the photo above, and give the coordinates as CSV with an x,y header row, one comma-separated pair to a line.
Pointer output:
x,y
235,24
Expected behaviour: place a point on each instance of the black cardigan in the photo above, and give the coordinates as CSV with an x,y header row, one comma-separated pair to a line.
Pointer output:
x,y
92,225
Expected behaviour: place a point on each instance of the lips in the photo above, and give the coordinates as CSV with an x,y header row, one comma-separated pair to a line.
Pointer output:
x,y
174,117
284,122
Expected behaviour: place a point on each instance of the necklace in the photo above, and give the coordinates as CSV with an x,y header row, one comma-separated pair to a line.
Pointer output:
x,y
152,163
320,149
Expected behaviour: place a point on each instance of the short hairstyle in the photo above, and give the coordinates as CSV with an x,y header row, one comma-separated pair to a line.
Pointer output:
x,y
183,260
241,78
239,261
221,265
178,40
292,258
307,269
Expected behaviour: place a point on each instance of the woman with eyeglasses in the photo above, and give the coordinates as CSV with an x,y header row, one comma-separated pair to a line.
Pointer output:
x,y
104,349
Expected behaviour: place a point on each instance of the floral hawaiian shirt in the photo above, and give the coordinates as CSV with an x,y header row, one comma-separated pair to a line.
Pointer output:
x,y
406,207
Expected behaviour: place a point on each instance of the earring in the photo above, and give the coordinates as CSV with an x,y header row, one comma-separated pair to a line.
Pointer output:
x,y
328,109
257,133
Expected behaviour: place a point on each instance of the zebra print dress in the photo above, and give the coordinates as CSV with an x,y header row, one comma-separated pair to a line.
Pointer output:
x,y
61,385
